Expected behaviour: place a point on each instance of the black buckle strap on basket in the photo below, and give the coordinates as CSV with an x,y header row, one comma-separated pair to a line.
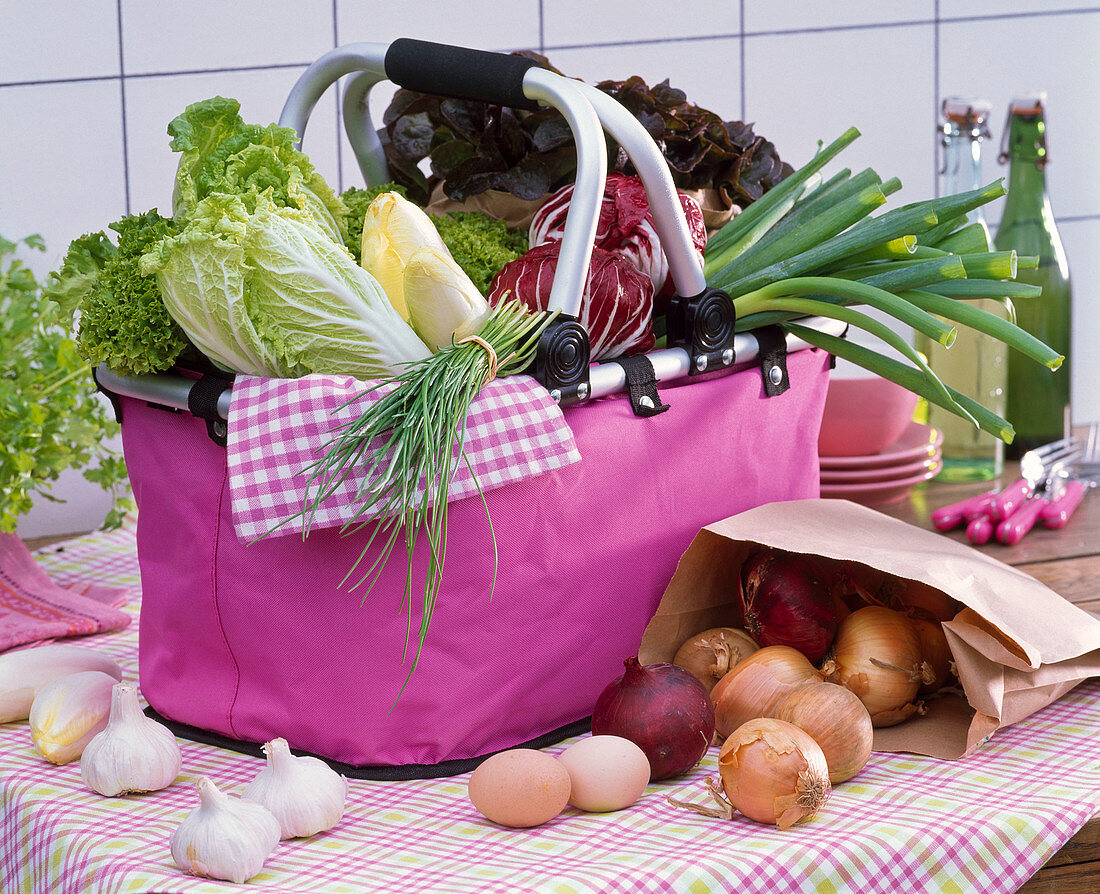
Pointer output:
x,y
561,360
703,325
641,385
773,359
202,401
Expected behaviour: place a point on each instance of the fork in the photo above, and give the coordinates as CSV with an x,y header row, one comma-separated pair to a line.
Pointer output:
x,y
1068,490
1032,466
1034,469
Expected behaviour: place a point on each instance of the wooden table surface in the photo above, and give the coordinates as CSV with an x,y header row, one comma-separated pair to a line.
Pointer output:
x,y
1067,561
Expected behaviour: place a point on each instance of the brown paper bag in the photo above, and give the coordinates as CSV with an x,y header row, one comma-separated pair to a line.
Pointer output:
x,y
1017,645
516,213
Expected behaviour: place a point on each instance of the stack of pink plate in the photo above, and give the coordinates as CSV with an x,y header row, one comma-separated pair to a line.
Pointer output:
x,y
888,475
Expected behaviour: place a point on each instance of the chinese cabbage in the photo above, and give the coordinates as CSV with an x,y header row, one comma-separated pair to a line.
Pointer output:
x,y
268,292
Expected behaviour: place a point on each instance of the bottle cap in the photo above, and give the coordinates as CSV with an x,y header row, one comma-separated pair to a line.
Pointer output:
x,y
966,110
1027,106
966,115
1028,103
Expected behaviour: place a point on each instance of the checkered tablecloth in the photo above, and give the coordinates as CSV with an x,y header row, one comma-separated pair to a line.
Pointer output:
x,y
904,824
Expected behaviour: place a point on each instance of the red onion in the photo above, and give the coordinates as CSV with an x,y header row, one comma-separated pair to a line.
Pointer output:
x,y
787,602
661,708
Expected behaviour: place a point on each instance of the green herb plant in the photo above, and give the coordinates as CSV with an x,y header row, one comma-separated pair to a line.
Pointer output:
x,y
50,416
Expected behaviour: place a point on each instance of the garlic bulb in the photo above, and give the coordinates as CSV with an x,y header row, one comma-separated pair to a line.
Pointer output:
x,y
133,753
25,671
68,712
304,794
224,838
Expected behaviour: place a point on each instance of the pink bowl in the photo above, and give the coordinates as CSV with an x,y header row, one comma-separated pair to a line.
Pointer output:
x,y
863,416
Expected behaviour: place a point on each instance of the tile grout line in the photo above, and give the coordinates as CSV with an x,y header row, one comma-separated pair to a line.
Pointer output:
x,y
741,47
603,45
339,111
936,101
542,29
122,103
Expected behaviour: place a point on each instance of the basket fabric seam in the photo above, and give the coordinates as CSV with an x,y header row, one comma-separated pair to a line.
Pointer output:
x,y
219,521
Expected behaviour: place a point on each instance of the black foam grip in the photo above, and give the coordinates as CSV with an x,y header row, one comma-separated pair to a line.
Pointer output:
x,y
459,72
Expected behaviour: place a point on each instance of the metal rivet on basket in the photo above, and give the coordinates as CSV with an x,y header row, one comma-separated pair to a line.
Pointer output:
x,y
701,362
582,390
555,396
646,401
775,375
727,357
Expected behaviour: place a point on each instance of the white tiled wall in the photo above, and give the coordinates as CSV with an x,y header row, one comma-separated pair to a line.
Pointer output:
x,y
87,89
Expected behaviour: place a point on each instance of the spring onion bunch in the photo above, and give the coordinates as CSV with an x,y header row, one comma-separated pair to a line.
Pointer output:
x,y
810,247
408,444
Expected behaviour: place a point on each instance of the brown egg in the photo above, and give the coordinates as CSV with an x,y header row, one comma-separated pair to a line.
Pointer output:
x,y
520,788
607,773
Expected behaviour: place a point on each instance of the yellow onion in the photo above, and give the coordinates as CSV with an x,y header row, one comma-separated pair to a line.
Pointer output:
x,y
710,655
935,651
393,229
442,301
837,720
756,684
774,772
877,654
921,600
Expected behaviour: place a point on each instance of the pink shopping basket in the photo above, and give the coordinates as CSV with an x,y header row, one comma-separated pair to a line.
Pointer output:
x,y
243,642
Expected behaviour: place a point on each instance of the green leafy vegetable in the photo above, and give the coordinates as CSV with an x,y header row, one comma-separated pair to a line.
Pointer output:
x,y
122,320
267,292
779,262
49,415
220,153
357,201
480,244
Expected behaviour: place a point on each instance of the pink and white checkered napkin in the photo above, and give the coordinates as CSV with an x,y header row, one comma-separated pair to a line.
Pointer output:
x,y
279,427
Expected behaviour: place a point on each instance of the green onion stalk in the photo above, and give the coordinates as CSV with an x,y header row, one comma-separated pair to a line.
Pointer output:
x,y
808,248
408,443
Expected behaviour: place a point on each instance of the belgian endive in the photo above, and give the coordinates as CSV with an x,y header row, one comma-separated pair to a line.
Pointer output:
x,y
393,230
443,302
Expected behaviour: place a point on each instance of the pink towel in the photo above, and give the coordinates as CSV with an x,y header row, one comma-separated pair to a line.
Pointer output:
x,y
33,607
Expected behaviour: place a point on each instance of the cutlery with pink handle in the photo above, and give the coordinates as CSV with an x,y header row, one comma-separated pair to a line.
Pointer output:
x,y
1060,507
951,516
1034,469
1012,529
979,530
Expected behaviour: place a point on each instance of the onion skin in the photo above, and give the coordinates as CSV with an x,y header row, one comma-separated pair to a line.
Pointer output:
x,y
774,772
710,655
663,710
935,651
837,720
787,601
756,685
877,655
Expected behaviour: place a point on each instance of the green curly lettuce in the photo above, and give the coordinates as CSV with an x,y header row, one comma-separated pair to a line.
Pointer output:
x,y
221,154
116,309
480,244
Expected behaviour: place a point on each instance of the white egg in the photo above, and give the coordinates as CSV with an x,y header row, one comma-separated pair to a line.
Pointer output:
x,y
606,773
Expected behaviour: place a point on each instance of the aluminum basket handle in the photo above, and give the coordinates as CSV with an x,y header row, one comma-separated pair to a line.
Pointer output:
x,y
476,75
